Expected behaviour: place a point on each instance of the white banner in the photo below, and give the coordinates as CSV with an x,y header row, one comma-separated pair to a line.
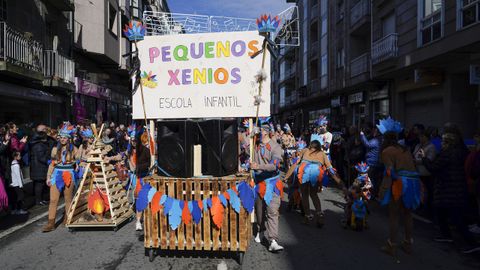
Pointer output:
x,y
208,75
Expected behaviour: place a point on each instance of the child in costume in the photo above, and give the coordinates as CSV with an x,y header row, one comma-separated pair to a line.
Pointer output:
x,y
294,196
357,199
401,187
61,173
17,184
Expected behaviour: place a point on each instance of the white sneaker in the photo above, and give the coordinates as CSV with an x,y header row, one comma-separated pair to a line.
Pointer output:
x,y
257,238
274,247
22,212
138,226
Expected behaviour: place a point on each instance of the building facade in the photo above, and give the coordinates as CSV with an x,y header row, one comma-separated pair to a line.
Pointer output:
x,y
361,60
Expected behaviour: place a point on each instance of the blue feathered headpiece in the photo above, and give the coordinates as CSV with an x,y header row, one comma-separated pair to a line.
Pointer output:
x,y
317,137
322,121
263,120
267,23
287,127
246,123
389,125
362,167
132,130
87,133
301,144
67,130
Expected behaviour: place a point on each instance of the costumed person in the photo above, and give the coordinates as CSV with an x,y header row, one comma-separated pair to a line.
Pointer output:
x,y
401,187
294,196
311,171
84,150
322,132
278,133
4,145
267,158
358,195
138,160
244,144
61,174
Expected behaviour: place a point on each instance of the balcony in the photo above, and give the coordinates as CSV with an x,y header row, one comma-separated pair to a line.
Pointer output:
x,y
360,17
63,5
385,48
77,34
58,70
360,65
20,55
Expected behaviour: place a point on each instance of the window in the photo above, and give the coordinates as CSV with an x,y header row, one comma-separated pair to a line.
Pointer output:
x,y
431,21
340,11
314,32
112,19
313,69
340,58
469,12
388,24
282,96
324,65
324,26
3,10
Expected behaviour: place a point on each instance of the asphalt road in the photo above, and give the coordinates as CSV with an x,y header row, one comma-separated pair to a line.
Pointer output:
x,y
306,247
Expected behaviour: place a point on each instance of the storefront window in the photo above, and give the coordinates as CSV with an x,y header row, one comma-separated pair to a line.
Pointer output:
x,y
380,109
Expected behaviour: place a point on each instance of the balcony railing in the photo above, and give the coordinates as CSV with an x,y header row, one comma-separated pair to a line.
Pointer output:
x,y
360,10
18,49
359,65
58,67
385,48
78,34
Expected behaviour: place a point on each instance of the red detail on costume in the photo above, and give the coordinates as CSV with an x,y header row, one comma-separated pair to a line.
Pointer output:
x,y
397,189
156,202
252,184
262,189
67,178
138,187
269,148
301,170
389,172
217,211
226,195
279,186
186,216
321,174
200,204
234,188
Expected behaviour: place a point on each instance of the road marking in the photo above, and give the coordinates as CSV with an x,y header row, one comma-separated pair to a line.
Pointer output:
x,y
422,219
30,221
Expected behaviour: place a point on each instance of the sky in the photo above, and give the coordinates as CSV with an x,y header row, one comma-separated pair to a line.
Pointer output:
x,y
250,9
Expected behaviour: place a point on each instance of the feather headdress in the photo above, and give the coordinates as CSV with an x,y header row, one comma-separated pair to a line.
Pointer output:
x,y
362,167
389,125
87,133
67,130
322,121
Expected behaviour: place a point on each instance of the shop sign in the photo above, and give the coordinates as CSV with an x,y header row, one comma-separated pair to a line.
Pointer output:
x,y
90,89
355,98
381,94
335,102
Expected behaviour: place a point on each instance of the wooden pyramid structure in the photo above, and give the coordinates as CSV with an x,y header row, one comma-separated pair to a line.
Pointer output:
x,y
99,174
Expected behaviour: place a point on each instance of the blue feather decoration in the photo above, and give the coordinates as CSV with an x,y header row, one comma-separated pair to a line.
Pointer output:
x,y
163,199
411,192
142,199
167,206
205,205
182,204
223,199
175,215
234,200
190,206
209,202
59,180
270,185
196,212
247,196
151,192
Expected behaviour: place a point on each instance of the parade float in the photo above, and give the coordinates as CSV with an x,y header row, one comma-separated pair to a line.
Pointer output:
x,y
192,68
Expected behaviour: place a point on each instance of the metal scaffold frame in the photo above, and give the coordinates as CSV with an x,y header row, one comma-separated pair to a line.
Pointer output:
x,y
165,23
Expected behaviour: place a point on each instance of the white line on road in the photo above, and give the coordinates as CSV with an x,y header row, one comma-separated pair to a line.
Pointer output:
x,y
422,219
30,221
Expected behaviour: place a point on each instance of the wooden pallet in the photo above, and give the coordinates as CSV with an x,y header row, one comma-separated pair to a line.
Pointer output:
x,y
234,235
99,174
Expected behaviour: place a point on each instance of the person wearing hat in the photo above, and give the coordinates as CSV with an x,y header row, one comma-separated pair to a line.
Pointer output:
x,y
401,187
267,157
61,176
321,131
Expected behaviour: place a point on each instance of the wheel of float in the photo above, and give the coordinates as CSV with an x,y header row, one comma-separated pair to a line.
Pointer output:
x,y
151,254
240,257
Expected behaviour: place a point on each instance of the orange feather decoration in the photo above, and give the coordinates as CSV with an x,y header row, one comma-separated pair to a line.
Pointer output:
x,y
186,216
67,178
156,202
397,189
301,169
226,195
217,211
262,189
279,186
138,187
200,204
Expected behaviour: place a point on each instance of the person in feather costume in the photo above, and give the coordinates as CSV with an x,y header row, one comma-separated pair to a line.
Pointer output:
x,y
84,150
358,195
401,188
61,173
266,163
310,171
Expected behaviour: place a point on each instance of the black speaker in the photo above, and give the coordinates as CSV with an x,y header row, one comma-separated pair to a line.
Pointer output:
x,y
219,139
175,147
